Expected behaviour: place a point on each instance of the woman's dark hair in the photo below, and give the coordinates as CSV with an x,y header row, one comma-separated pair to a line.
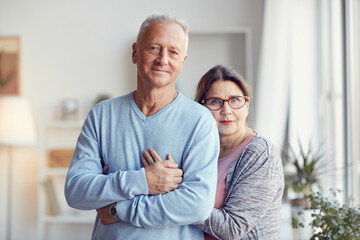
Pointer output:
x,y
220,72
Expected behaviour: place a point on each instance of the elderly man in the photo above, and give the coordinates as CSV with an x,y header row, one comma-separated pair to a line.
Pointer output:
x,y
162,200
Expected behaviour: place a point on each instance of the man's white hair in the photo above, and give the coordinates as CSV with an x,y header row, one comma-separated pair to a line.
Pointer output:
x,y
157,17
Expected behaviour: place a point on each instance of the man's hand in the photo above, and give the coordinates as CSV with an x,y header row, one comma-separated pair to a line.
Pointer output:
x,y
161,176
105,216
104,166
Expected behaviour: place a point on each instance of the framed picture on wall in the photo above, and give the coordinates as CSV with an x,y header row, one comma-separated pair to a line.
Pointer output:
x,y
9,65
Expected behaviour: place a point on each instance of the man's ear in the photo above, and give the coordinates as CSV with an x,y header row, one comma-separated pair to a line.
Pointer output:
x,y
134,52
182,64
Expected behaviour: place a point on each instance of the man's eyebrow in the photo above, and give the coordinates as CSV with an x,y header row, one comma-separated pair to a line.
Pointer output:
x,y
154,43
175,48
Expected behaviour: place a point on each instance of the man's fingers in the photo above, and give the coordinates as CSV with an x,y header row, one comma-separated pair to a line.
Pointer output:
x,y
178,180
148,157
151,157
144,161
171,169
155,156
173,187
104,166
178,172
169,157
169,164
105,169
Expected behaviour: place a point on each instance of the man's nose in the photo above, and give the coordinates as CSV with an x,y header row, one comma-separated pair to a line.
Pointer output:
x,y
163,58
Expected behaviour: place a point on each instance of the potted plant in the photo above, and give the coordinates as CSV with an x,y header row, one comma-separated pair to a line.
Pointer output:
x,y
101,97
303,169
331,220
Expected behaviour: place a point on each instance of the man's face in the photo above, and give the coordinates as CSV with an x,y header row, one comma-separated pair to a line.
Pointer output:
x,y
159,54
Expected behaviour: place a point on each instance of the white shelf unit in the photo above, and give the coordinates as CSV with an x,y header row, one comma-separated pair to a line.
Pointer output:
x,y
58,134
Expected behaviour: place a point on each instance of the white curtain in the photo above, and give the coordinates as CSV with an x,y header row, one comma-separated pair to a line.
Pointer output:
x,y
287,77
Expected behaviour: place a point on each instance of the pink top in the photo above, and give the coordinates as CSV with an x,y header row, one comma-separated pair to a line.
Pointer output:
x,y
223,168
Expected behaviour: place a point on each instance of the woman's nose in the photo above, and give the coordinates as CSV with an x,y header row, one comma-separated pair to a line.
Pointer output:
x,y
226,109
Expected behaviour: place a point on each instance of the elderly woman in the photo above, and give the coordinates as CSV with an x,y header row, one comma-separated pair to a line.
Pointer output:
x,y
250,174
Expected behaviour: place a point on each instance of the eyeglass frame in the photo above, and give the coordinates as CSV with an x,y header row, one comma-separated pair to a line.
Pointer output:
x,y
247,98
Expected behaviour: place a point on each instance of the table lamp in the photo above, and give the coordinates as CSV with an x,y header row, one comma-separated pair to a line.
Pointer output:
x,y
17,128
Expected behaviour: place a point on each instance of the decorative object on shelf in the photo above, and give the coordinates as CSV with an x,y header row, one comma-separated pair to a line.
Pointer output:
x,y
330,219
17,128
60,158
101,98
69,109
9,65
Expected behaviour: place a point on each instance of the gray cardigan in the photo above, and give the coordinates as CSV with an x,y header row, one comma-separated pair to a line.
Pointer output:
x,y
254,188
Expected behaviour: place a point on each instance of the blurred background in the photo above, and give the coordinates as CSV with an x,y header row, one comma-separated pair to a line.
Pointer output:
x,y
301,58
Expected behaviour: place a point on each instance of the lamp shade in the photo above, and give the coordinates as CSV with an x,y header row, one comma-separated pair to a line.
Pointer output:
x,y
17,126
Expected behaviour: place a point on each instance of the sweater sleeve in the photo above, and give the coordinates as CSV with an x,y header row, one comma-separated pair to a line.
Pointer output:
x,y
86,188
254,188
193,201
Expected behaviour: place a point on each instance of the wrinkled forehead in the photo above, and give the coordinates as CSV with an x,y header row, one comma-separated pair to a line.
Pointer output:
x,y
224,89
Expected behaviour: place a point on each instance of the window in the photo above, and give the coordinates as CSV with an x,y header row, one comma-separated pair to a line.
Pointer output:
x,y
351,19
339,94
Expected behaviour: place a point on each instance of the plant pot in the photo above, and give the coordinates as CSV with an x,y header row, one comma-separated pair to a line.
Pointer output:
x,y
304,233
302,205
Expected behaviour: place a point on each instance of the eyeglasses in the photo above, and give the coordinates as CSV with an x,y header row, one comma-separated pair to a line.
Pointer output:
x,y
217,103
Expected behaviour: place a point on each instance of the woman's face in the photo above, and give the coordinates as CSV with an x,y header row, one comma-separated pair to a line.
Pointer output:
x,y
229,121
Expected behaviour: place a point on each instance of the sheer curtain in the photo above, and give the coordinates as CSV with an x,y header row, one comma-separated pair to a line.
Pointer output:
x,y
308,83
287,79
286,105
352,18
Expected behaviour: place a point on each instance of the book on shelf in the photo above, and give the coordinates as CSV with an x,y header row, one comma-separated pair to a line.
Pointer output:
x,y
60,158
52,201
55,200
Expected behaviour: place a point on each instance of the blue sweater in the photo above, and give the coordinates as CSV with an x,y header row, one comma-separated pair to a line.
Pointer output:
x,y
117,131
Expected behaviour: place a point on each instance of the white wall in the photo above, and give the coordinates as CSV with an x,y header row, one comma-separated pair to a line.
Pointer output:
x,y
79,49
